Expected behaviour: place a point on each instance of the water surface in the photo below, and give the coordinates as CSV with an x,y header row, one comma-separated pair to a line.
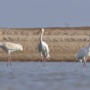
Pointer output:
x,y
48,76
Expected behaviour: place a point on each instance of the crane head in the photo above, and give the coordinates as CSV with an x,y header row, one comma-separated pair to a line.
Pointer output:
x,y
20,47
42,30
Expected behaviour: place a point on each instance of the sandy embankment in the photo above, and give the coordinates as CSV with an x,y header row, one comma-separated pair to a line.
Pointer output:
x,y
63,43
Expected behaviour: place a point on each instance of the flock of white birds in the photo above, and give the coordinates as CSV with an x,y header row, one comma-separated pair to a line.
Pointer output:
x,y
43,48
10,47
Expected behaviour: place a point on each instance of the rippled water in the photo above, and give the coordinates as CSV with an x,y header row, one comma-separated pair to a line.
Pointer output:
x,y
48,76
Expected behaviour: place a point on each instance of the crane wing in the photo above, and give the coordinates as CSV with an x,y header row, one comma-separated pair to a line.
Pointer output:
x,y
82,53
9,45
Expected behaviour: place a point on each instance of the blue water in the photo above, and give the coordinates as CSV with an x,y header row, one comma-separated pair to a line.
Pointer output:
x,y
48,76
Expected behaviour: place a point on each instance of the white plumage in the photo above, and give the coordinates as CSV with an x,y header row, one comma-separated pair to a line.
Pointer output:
x,y
43,47
9,48
83,53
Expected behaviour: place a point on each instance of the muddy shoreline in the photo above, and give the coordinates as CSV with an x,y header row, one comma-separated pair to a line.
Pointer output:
x,y
63,42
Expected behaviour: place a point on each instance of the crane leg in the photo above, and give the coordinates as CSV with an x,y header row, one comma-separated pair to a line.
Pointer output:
x,y
42,57
44,60
84,64
76,60
9,60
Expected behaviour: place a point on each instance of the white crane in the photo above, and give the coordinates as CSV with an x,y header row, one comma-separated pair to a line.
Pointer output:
x,y
9,48
83,53
43,47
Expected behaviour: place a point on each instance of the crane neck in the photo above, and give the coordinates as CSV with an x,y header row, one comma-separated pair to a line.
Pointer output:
x,y
89,41
41,34
89,44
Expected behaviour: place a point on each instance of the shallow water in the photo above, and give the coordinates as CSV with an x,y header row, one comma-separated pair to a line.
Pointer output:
x,y
48,76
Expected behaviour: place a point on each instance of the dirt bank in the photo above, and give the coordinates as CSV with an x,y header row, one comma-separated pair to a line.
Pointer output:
x,y
63,42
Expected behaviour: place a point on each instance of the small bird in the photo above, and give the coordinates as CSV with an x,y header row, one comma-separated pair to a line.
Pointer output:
x,y
9,48
83,53
43,47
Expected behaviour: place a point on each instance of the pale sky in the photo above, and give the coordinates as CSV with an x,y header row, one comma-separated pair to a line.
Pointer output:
x,y
44,13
